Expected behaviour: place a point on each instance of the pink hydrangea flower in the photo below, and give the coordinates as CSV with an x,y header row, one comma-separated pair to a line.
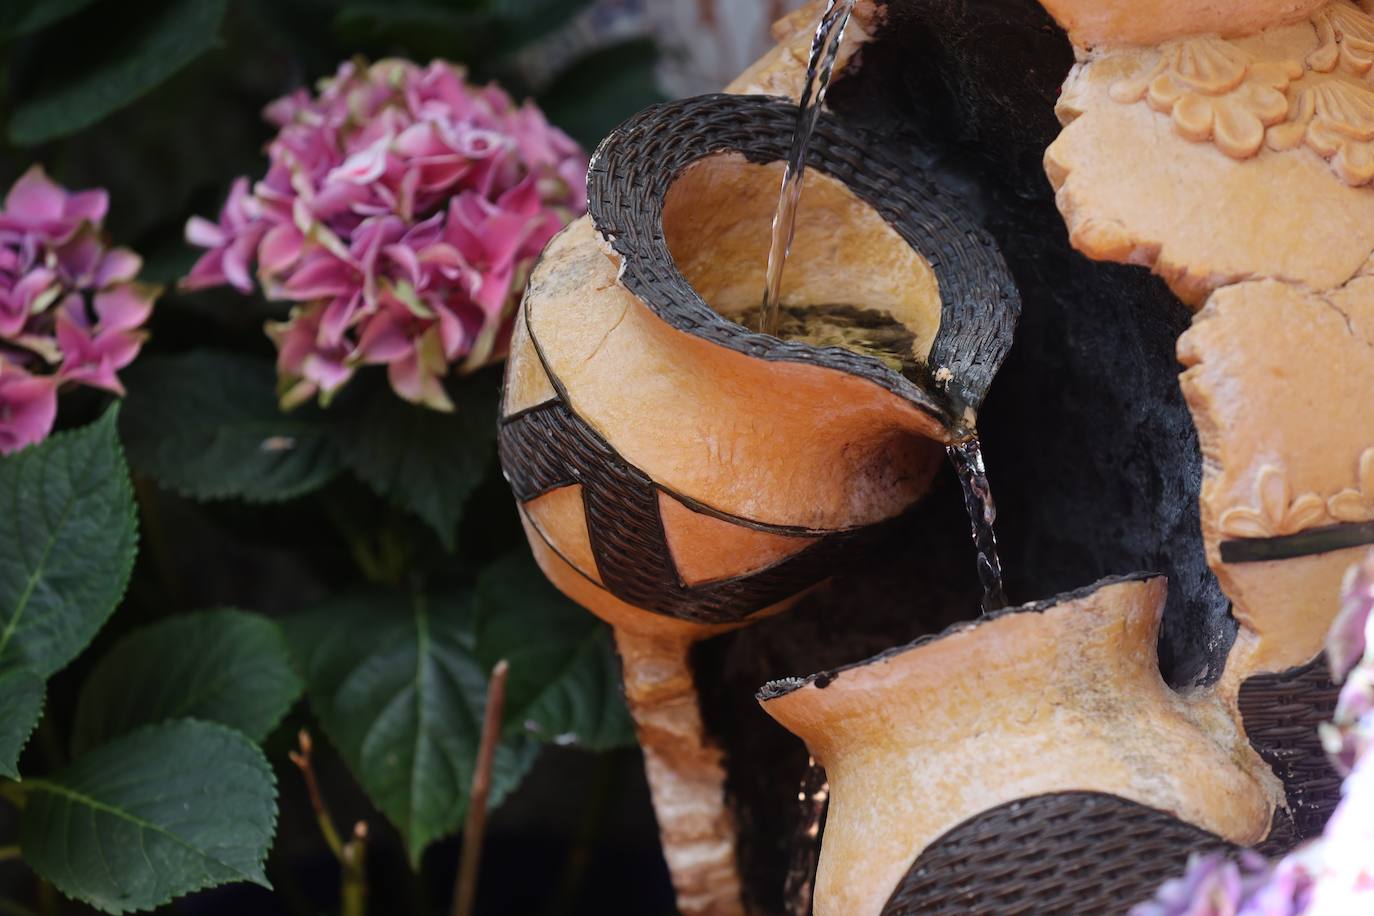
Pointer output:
x,y
1332,875
71,311
400,214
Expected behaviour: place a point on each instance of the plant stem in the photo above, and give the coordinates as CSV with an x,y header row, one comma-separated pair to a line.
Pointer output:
x,y
302,761
352,856
9,852
354,862
465,886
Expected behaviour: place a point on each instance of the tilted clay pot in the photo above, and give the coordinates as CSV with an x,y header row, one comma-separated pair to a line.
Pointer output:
x,y
680,473
1032,761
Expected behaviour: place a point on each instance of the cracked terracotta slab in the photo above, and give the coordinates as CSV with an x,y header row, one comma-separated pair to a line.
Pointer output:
x,y
1280,383
1214,160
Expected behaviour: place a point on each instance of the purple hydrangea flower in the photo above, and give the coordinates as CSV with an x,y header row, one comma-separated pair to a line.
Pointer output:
x,y
401,212
71,310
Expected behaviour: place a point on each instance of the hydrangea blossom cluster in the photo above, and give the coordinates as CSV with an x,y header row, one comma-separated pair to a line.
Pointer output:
x,y
1332,875
400,213
70,307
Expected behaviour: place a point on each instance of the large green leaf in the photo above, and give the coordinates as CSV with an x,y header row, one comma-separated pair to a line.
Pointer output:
x,y
67,541
223,666
21,17
419,459
395,685
157,40
564,683
163,811
21,703
206,424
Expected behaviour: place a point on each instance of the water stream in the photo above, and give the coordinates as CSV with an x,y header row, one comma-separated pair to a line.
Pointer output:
x,y
812,799
967,458
824,49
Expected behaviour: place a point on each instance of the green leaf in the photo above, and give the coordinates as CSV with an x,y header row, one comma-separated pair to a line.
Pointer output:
x,y
223,666
564,682
395,685
421,460
23,17
21,704
68,536
206,424
163,811
156,45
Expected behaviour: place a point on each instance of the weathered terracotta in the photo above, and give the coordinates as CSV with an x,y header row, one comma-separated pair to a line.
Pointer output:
x,y
1212,160
1058,697
1110,23
1280,382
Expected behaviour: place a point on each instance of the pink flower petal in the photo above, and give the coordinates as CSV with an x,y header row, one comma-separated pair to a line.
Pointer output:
x,y
28,407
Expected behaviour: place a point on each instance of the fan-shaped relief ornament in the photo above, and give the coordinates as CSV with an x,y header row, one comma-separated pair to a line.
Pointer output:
x,y
1276,511
1213,90
1335,118
1356,504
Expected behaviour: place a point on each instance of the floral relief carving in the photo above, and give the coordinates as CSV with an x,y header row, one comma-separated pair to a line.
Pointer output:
x,y
1278,512
1212,90
1356,504
1335,119
1345,36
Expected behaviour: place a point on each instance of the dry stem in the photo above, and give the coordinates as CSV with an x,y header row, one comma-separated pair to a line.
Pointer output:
x,y
465,886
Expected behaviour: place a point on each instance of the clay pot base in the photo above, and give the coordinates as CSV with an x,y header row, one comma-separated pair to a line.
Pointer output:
x,y
1062,695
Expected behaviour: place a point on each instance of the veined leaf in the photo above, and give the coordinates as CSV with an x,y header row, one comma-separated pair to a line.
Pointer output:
x,y
67,542
163,811
207,425
21,705
395,685
564,682
419,459
223,666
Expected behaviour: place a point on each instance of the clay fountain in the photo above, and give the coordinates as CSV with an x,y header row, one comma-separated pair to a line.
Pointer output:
x,y
1022,222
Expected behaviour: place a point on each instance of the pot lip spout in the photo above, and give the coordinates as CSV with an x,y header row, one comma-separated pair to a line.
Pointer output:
x,y
781,687
634,167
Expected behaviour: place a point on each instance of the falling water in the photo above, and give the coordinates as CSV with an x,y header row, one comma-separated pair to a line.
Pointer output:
x,y
811,802
824,48
967,457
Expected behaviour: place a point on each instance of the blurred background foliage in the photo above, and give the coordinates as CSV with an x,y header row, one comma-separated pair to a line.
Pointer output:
x,y
160,101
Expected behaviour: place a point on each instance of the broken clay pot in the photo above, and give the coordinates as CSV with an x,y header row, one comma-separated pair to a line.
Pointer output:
x,y
1031,761
680,473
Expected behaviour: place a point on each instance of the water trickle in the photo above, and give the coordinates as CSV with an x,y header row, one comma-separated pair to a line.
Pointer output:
x,y
967,458
824,49
812,799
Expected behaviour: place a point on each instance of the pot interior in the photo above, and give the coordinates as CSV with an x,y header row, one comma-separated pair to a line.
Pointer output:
x,y
850,280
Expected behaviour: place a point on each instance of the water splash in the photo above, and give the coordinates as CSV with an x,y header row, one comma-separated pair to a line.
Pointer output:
x,y
825,47
967,458
812,799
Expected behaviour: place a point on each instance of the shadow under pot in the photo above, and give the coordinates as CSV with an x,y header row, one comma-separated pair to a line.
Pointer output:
x,y
1033,761
677,471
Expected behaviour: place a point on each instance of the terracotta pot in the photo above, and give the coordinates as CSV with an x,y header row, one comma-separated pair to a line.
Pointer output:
x,y
1032,761
680,473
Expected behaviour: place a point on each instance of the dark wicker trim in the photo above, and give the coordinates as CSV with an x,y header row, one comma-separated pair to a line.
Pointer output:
x,y
635,166
1066,852
1280,714
1314,541
550,447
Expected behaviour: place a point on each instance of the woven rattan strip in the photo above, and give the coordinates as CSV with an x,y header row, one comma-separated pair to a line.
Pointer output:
x,y
1068,852
634,167
1281,713
549,446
